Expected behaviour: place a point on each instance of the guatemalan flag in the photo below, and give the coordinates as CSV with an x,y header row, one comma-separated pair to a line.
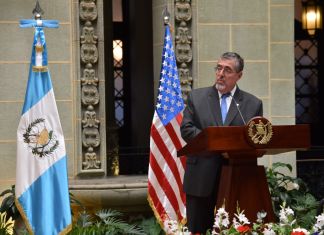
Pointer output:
x,y
42,194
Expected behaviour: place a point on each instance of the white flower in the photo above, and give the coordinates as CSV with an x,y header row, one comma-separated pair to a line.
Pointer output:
x,y
221,211
235,223
242,218
175,228
269,231
301,230
285,215
289,211
260,216
171,226
319,225
221,219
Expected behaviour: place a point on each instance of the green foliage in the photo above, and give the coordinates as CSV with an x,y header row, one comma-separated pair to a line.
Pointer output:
x,y
6,224
104,222
293,192
8,203
150,226
285,190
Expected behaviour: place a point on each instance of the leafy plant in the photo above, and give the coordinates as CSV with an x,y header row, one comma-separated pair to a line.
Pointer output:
x,y
293,192
8,203
149,225
6,224
104,222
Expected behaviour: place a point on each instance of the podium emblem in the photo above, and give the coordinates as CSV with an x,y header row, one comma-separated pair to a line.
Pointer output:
x,y
259,130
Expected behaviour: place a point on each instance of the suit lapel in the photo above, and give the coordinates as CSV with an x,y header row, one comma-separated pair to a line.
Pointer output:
x,y
233,109
214,103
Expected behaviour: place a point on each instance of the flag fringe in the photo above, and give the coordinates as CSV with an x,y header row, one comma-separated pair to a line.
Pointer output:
x,y
157,216
65,231
24,217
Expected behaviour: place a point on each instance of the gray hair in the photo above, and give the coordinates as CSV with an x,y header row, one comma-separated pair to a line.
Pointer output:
x,y
239,61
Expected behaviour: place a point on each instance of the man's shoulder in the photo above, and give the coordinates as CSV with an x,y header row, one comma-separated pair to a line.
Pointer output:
x,y
248,95
202,90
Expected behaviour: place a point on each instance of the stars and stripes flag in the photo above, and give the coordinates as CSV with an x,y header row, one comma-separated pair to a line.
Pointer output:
x,y
166,170
41,190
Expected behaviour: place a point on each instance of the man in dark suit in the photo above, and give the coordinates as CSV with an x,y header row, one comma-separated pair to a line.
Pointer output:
x,y
206,107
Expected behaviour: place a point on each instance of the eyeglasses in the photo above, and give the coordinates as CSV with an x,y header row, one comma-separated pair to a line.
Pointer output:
x,y
226,70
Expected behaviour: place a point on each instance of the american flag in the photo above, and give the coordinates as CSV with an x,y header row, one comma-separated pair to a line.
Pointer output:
x,y
166,170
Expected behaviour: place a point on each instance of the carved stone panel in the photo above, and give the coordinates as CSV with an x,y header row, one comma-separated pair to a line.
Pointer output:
x,y
88,10
89,95
183,47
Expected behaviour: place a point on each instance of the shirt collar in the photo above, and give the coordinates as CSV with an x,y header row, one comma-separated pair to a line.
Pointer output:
x,y
232,92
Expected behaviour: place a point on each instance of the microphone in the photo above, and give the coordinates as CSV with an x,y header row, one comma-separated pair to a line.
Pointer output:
x,y
238,108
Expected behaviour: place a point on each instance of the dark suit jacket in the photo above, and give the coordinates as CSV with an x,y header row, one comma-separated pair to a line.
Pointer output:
x,y
203,110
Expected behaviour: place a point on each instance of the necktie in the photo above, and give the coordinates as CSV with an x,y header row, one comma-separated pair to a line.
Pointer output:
x,y
224,106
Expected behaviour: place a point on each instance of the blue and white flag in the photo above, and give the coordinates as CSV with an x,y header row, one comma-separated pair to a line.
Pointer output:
x,y
42,194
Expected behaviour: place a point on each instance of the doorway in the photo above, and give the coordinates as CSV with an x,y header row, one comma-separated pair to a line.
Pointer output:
x,y
129,76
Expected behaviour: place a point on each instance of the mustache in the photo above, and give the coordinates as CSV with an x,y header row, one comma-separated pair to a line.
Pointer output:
x,y
219,86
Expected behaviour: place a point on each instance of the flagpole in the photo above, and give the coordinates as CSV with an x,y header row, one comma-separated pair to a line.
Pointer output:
x,y
166,170
41,189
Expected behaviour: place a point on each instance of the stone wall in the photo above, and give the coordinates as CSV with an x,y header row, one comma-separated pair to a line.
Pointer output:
x,y
15,52
262,32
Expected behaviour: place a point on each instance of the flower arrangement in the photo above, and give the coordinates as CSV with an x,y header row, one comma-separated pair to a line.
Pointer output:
x,y
287,225
172,227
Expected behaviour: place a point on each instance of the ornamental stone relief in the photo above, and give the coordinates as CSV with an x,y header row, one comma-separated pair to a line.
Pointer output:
x,y
182,11
90,138
89,76
88,10
90,119
88,34
183,35
186,80
90,97
183,53
183,48
91,161
89,53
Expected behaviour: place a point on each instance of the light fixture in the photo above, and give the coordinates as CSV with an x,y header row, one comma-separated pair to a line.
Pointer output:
x,y
312,16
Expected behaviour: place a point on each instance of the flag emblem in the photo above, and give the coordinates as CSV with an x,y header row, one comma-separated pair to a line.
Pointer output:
x,y
39,139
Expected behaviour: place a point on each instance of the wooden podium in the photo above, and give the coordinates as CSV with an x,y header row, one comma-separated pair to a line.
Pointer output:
x,y
243,183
